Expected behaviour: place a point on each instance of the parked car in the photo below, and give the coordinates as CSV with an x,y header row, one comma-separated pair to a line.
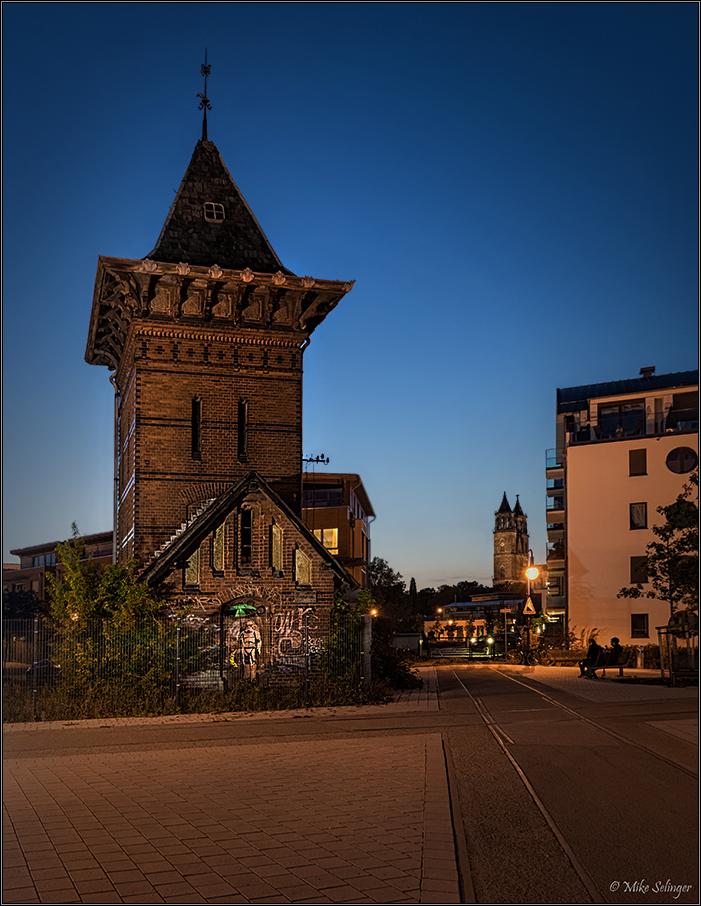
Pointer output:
x,y
44,672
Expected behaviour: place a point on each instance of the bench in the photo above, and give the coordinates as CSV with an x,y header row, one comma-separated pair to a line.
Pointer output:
x,y
603,665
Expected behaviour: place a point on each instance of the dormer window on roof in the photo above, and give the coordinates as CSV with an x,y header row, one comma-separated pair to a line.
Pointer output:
x,y
213,212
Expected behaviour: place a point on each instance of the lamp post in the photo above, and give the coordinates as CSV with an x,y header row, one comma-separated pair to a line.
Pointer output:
x,y
532,573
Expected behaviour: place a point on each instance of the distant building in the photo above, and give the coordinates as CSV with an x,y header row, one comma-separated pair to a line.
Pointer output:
x,y
510,543
624,448
40,559
337,509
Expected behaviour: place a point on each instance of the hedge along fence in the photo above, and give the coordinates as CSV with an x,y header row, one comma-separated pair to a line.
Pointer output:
x,y
153,666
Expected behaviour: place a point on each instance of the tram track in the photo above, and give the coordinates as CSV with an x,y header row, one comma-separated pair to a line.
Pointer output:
x,y
503,740
594,724
570,768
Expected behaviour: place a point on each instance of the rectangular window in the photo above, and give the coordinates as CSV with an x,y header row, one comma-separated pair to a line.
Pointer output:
x,y
637,462
196,428
639,626
638,570
638,515
329,538
622,419
276,548
192,569
218,549
303,568
246,547
242,429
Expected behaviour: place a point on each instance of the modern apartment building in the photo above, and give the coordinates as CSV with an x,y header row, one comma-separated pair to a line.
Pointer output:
x,y
623,449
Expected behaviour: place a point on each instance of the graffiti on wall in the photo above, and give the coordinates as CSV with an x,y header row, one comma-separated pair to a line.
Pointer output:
x,y
297,638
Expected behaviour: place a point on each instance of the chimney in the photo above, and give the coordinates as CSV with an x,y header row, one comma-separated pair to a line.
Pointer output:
x,y
647,371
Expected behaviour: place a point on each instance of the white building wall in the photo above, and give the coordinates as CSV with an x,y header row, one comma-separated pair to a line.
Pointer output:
x,y
600,541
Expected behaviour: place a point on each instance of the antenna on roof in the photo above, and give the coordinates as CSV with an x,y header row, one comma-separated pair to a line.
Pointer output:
x,y
204,103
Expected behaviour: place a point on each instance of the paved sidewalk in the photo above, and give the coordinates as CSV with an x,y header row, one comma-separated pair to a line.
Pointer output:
x,y
603,689
356,820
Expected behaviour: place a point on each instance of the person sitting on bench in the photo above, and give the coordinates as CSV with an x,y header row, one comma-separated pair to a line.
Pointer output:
x,y
588,662
608,658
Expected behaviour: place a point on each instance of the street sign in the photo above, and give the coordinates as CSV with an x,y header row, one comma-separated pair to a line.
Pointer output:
x,y
505,610
529,609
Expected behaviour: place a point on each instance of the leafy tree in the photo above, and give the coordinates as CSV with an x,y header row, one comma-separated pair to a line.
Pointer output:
x,y
672,561
389,591
22,605
109,634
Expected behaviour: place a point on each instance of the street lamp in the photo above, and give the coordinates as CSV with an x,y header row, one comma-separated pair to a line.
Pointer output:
x,y
532,573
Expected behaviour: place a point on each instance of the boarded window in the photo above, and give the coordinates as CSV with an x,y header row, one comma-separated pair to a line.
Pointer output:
x,y
192,569
218,549
303,568
276,548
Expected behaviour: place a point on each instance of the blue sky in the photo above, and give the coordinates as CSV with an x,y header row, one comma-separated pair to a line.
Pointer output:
x,y
512,186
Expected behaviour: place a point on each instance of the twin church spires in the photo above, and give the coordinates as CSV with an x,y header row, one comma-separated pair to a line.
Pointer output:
x,y
510,543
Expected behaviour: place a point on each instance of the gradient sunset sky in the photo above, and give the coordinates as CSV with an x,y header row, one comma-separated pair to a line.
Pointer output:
x,y
512,186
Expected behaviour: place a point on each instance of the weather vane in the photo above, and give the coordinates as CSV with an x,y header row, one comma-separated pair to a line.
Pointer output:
x,y
204,103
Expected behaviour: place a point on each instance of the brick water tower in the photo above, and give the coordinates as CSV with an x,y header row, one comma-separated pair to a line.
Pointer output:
x,y
205,337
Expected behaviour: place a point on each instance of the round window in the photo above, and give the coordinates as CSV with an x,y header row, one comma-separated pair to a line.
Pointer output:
x,y
681,459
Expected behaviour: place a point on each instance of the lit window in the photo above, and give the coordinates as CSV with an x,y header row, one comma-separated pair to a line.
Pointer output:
x,y
213,212
681,460
329,538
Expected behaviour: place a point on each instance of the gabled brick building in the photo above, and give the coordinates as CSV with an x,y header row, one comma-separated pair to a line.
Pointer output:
x,y
205,337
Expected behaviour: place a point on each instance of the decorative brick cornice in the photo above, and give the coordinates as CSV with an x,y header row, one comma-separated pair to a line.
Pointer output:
x,y
262,307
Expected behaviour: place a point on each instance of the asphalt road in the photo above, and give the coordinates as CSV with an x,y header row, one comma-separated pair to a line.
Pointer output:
x,y
565,801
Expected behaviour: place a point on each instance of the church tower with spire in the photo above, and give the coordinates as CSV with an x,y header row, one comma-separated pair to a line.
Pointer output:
x,y
205,336
510,543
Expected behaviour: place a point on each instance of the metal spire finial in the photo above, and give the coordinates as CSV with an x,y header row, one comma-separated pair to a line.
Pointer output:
x,y
204,103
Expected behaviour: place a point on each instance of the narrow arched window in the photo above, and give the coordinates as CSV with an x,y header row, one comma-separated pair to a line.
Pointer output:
x,y
196,428
242,431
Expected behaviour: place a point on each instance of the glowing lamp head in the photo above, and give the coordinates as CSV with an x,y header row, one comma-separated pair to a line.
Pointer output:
x,y
532,572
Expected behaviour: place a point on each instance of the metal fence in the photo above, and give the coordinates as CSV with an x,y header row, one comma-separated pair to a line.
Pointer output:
x,y
186,654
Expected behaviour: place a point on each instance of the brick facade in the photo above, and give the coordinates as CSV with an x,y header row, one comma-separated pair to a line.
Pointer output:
x,y
205,338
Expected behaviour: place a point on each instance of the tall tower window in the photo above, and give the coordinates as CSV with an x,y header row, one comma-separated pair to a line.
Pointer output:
x,y
196,428
246,546
213,212
242,430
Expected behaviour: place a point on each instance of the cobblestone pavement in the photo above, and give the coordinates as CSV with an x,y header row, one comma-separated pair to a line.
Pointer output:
x,y
323,821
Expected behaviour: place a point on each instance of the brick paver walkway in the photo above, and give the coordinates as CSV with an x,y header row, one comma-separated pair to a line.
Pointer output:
x,y
333,821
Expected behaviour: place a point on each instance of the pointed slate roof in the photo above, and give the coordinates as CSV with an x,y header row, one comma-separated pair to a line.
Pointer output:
x,y
212,513
504,508
517,509
235,242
